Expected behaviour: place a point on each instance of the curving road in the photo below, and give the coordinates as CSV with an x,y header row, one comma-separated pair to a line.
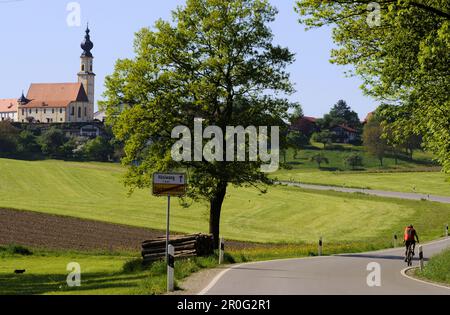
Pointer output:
x,y
332,275
373,192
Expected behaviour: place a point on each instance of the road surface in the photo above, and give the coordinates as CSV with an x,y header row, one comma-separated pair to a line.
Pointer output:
x,y
332,275
380,193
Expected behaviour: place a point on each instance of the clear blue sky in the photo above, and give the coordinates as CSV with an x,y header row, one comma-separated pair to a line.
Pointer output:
x,y
38,46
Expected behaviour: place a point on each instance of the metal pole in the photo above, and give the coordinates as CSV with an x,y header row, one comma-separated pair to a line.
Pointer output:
x,y
168,228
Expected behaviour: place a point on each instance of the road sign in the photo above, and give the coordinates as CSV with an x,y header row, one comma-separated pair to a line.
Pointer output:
x,y
169,184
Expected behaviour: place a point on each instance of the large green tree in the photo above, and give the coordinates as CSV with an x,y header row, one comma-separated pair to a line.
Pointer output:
x,y
401,50
214,61
341,114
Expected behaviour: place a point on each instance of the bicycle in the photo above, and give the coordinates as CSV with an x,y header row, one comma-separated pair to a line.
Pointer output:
x,y
409,255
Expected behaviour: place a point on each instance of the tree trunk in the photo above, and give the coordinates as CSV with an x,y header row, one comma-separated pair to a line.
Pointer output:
x,y
214,212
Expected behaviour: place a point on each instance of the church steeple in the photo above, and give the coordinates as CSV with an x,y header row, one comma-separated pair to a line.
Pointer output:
x,y
23,100
87,44
86,76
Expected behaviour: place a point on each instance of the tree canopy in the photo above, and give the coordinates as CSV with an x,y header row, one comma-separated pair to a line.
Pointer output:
x,y
216,61
341,114
403,60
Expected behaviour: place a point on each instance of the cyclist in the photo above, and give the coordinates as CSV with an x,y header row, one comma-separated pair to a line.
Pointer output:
x,y
410,239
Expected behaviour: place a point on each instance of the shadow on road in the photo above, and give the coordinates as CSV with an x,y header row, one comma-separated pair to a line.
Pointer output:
x,y
391,257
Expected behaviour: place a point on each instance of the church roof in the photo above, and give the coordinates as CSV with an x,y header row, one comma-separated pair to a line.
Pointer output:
x,y
8,105
55,94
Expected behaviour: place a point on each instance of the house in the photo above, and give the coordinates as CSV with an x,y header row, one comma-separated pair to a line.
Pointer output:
x,y
59,102
100,116
8,109
344,134
306,125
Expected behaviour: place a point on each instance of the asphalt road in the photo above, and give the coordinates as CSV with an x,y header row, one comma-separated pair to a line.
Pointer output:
x,y
332,275
381,193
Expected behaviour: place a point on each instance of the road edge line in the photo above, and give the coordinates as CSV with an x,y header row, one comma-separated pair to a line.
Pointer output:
x,y
216,279
403,273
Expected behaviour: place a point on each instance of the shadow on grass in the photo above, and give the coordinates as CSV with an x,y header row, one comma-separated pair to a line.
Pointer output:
x,y
32,284
329,169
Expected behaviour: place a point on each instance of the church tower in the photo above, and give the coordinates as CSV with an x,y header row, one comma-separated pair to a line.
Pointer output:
x,y
86,76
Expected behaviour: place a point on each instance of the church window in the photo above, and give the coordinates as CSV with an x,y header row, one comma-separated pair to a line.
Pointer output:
x,y
79,112
82,67
73,111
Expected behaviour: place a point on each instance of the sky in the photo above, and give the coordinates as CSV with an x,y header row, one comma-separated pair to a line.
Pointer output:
x,y
38,45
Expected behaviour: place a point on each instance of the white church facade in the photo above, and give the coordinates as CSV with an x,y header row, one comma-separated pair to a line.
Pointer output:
x,y
57,102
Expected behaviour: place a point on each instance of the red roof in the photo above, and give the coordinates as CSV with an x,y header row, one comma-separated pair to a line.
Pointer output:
x,y
8,105
311,119
347,128
55,94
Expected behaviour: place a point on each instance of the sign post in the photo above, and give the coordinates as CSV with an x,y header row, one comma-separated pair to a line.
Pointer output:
x,y
169,185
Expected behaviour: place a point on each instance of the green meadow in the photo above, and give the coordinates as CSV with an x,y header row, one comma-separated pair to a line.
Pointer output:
x,y
283,215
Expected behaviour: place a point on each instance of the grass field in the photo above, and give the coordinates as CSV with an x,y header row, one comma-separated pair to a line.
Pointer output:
x,y
437,269
336,156
101,273
435,183
284,215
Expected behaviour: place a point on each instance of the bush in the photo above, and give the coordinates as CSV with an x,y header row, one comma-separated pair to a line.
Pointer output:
x,y
98,149
354,160
8,138
134,265
51,142
320,159
15,250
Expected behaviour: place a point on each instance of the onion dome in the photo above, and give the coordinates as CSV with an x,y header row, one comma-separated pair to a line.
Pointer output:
x,y
87,45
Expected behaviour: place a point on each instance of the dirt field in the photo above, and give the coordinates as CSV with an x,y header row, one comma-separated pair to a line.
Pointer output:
x,y
56,232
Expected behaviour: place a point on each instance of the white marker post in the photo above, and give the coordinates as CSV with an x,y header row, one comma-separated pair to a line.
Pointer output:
x,y
421,257
170,268
395,240
320,246
221,250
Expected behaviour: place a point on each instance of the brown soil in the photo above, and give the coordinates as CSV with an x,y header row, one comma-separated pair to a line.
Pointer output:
x,y
57,232
47,231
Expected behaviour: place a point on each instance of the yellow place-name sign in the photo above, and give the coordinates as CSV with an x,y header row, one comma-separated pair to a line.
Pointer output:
x,y
169,184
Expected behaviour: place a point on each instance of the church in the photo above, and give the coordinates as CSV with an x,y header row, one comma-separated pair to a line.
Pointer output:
x,y
57,102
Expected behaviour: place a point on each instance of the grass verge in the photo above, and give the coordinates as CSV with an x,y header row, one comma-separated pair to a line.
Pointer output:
x,y
437,269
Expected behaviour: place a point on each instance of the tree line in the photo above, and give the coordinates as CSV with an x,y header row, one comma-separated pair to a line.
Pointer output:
x,y
54,143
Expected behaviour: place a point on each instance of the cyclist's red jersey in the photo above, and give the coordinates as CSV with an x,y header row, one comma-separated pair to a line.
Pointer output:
x,y
409,234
